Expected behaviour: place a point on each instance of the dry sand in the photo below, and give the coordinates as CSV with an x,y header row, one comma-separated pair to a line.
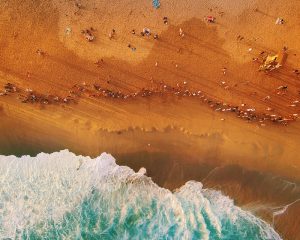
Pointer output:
x,y
232,155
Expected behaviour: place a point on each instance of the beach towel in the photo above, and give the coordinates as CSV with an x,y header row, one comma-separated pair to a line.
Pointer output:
x,y
156,3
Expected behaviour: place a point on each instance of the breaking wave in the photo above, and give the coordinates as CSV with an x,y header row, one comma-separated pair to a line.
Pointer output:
x,y
64,196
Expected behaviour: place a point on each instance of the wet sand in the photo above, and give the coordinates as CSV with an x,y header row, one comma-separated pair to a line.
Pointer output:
x,y
176,138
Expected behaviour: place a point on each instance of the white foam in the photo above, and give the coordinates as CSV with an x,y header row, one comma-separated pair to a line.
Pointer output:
x,y
36,189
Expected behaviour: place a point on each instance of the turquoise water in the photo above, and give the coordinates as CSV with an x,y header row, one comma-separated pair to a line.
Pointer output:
x,y
64,196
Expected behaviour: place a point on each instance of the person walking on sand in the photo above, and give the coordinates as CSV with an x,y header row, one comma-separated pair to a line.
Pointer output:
x,y
181,33
112,34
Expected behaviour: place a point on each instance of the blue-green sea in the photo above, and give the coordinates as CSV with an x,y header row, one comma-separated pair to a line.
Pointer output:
x,y
64,196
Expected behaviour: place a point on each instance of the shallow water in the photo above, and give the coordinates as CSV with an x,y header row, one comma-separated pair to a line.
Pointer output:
x,y
64,196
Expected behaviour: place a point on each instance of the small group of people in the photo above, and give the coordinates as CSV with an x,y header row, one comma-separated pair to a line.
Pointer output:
x,y
8,88
88,34
29,96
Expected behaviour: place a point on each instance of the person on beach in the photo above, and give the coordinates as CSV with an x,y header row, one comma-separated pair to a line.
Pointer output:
x,y
181,34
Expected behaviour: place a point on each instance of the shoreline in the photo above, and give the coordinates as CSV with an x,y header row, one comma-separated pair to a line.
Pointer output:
x,y
92,175
238,183
222,139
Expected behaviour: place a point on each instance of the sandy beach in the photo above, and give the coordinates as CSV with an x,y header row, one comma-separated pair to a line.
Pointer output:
x,y
189,105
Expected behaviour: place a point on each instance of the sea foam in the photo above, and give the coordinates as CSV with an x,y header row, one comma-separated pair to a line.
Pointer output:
x,y
64,196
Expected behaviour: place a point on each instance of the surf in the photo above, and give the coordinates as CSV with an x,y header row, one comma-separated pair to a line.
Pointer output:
x,y
65,196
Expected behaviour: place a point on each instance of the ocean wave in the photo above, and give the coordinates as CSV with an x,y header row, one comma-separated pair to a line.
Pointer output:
x,y
64,196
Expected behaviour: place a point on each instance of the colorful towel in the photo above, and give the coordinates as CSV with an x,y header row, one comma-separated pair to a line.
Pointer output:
x,y
156,3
